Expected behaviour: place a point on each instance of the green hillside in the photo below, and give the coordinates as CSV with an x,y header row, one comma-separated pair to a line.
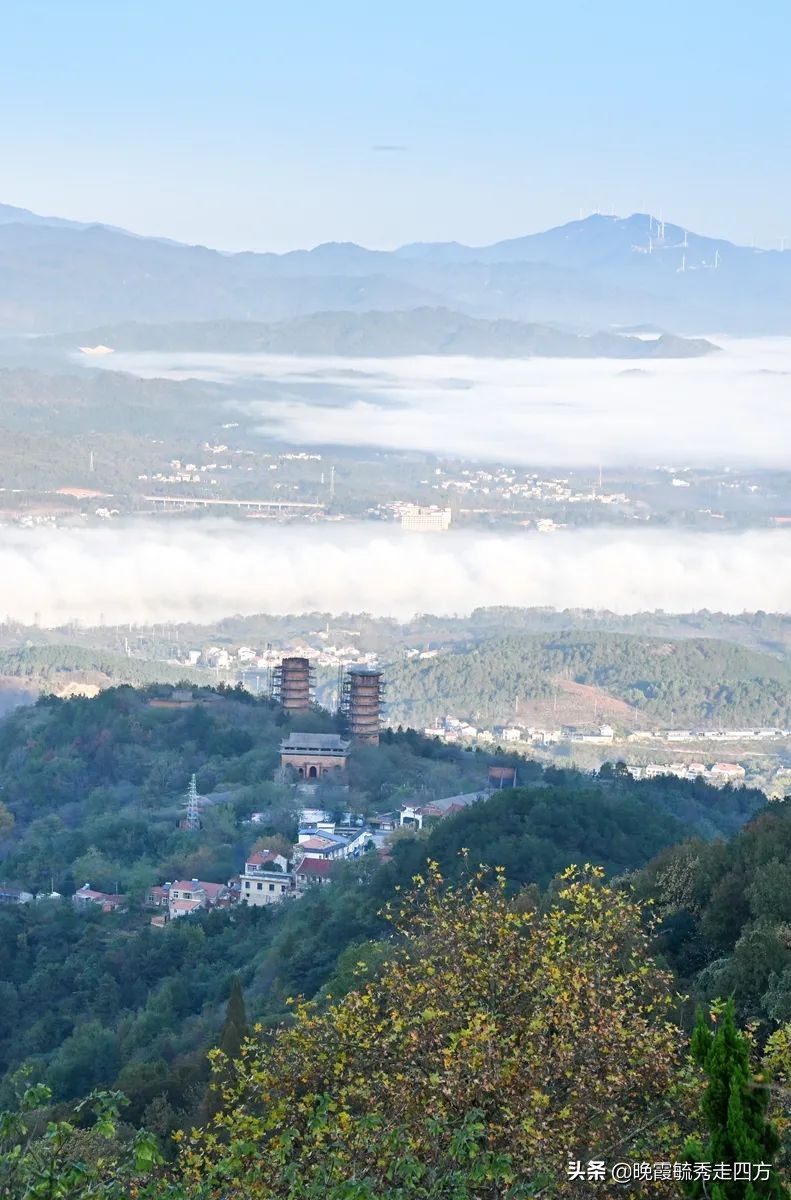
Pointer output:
x,y
50,666
92,790
695,681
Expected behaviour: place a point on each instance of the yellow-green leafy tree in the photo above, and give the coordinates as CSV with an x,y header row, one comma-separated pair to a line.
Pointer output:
x,y
496,1044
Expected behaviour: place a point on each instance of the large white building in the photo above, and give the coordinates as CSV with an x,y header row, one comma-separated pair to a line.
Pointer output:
x,y
422,519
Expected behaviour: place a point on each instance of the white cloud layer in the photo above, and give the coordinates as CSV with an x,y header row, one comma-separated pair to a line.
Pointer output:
x,y
149,572
729,408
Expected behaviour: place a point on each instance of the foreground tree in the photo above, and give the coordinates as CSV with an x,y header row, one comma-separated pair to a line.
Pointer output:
x,y
56,1160
734,1109
494,1046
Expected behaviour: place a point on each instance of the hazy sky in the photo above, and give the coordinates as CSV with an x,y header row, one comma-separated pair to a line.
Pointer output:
x,y
250,124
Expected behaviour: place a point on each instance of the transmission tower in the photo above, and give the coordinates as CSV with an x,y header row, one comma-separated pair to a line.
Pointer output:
x,y
192,817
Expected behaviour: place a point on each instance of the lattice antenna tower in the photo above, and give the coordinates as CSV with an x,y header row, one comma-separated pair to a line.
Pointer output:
x,y
192,818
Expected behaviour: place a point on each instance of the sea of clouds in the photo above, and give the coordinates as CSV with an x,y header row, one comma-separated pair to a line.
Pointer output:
x,y
202,571
730,408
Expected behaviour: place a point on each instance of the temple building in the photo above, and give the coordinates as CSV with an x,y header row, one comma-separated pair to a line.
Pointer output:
x,y
313,755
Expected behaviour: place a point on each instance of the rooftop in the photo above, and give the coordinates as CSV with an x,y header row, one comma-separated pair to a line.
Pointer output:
x,y
314,866
316,843
314,743
321,838
185,905
260,857
461,801
198,885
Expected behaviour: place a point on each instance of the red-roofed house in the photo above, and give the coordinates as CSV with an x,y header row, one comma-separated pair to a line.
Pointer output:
x,y
310,872
205,895
728,771
106,901
183,908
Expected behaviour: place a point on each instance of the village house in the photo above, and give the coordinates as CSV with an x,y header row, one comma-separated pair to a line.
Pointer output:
x,y
265,879
728,772
311,872
157,897
106,901
416,814
509,733
12,895
188,896
321,842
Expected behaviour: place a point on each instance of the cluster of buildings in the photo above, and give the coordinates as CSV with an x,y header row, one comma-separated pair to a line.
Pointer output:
x,y
251,658
768,734
84,897
451,729
268,876
720,772
506,483
305,760
181,471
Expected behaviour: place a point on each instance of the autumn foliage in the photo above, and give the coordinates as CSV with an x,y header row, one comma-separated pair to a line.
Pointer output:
x,y
497,1042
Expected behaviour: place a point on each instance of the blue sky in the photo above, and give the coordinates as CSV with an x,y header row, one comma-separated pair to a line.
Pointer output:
x,y
250,124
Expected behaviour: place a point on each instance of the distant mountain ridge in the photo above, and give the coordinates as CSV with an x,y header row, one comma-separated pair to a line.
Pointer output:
x,y
435,331
597,273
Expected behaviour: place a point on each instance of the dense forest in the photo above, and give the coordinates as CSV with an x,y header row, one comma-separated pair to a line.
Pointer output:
x,y
92,790
697,681
725,910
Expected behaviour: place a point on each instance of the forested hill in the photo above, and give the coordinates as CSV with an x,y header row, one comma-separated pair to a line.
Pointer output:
x,y
634,681
49,666
92,791
725,911
384,334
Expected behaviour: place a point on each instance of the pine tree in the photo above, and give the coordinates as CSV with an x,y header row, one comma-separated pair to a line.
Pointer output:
x,y
734,1110
232,1035
234,1029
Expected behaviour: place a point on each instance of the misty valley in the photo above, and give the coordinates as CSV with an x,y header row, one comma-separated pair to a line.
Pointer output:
x,y
395,716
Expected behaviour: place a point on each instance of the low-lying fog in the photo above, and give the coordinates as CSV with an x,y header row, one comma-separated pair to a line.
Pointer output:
x,y
203,571
731,407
